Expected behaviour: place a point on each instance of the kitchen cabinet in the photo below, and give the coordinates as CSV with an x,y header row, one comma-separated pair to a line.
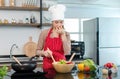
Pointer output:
x,y
21,9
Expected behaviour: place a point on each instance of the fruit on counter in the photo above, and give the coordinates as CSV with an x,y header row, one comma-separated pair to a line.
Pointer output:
x,y
105,71
108,65
89,65
86,68
114,70
81,67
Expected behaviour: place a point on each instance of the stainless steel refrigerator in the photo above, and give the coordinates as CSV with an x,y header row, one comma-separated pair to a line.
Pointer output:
x,y
106,39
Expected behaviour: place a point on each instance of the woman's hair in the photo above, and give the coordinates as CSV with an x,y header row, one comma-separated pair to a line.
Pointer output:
x,y
63,26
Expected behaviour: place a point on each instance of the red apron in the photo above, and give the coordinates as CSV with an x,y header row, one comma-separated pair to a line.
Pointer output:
x,y
56,46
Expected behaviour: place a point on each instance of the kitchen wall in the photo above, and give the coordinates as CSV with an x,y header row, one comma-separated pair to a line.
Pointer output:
x,y
77,11
19,35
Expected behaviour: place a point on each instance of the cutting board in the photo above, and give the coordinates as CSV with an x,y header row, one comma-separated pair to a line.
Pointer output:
x,y
30,48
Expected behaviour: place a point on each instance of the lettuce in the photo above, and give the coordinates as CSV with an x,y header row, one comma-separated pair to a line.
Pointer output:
x,y
3,71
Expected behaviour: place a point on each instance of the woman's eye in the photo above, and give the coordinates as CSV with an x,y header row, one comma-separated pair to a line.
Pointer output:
x,y
61,22
56,22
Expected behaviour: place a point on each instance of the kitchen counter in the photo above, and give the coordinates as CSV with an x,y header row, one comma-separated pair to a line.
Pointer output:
x,y
74,74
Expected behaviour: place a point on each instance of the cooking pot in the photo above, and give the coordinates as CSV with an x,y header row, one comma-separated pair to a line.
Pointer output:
x,y
26,65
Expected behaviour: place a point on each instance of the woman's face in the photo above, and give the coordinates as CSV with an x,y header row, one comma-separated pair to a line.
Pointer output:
x,y
57,23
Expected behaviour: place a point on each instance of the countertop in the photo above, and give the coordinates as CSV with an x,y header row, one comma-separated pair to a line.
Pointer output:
x,y
74,74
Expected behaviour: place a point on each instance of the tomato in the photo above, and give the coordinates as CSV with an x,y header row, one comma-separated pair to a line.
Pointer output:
x,y
108,65
69,62
86,68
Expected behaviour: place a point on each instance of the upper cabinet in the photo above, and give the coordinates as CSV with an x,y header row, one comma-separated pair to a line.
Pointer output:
x,y
21,13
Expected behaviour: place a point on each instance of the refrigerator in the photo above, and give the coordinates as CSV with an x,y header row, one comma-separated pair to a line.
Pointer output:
x,y
89,38
107,39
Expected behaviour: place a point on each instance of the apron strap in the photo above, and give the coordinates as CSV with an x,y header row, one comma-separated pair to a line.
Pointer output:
x,y
49,32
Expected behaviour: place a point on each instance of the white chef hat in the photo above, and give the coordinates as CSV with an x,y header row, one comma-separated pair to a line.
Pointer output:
x,y
57,12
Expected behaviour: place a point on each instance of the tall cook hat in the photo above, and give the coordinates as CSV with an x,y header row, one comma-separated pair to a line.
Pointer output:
x,y
57,12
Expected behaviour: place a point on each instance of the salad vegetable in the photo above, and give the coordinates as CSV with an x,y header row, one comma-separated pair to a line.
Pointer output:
x,y
3,71
64,62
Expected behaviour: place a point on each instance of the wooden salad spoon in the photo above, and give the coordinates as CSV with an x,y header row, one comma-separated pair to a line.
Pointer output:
x,y
17,60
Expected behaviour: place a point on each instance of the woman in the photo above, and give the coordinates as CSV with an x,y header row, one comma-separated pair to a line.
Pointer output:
x,y
55,40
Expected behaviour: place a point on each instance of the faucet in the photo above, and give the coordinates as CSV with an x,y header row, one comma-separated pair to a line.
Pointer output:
x,y
11,50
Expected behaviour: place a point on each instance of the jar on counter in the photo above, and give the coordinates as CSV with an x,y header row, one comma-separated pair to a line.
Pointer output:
x,y
13,20
12,2
27,20
32,19
6,21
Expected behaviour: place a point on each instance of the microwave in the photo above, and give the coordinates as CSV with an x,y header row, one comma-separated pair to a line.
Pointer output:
x,y
77,47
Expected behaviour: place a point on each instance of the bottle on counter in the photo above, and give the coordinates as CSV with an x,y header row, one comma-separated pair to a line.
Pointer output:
x,y
27,20
13,21
32,19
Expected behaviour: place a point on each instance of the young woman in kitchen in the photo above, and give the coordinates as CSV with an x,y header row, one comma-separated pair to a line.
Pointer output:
x,y
55,40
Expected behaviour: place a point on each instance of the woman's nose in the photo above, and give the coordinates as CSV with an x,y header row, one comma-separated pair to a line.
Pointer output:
x,y
59,24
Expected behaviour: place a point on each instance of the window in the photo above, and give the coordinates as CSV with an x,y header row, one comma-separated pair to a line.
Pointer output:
x,y
72,26
75,27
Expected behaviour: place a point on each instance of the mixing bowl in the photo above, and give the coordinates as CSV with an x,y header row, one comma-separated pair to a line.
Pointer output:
x,y
63,68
